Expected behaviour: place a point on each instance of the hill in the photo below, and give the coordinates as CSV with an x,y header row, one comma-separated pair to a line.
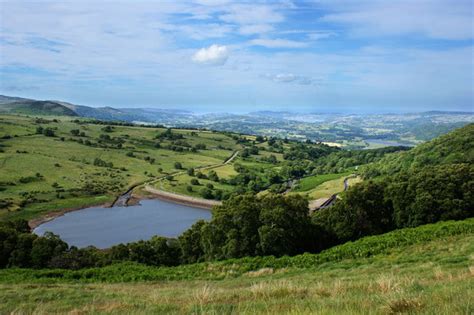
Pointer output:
x,y
422,270
352,131
452,148
29,107
58,162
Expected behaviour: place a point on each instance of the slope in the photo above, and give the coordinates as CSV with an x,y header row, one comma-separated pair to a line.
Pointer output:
x,y
424,270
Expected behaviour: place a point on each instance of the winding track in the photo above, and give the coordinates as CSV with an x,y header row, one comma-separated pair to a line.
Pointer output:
x,y
122,200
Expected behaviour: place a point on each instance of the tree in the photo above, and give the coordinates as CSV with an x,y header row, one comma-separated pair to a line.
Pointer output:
x,y
213,176
190,243
178,165
233,230
431,194
195,182
21,255
206,193
107,129
363,211
46,247
285,225
48,132
190,171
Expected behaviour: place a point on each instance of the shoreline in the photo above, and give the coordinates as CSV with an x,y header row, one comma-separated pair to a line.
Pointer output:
x,y
34,223
132,201
180,199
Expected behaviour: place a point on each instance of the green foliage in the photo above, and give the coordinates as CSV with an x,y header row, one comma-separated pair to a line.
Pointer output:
x,y
131,272
248,226
102,163
308,152
169,135
213,176
431,194
311,182
206,193
362,211
455,147
340,161
190,243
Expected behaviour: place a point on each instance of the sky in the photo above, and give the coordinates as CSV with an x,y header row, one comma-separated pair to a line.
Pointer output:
x,y
240,56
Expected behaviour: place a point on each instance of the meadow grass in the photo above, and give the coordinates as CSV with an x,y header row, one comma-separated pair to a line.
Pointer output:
x,y
66,166
312,182
429,274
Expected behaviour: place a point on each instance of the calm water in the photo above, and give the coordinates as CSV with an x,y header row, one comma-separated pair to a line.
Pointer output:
x,y
387,142
104,227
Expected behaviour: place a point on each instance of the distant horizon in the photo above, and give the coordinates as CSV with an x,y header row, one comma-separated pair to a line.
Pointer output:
x,y
365,56
314,112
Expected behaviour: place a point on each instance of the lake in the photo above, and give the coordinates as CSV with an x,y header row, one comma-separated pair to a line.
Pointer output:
x,y
386,143
104,227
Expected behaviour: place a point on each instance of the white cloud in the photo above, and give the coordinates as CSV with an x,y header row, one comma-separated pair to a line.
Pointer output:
x,y
249,14
289,78
431,18
277,43
211,2
255,29
213,55
320,35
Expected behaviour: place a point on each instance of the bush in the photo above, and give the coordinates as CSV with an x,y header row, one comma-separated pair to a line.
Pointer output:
x,y
102,163
206,193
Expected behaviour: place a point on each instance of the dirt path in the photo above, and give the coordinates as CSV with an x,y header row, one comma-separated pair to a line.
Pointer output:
x,y
123,199
327,202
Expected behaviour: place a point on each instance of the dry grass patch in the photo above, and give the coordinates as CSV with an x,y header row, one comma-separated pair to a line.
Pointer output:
x,y
260,272
277,289
403,305
204,295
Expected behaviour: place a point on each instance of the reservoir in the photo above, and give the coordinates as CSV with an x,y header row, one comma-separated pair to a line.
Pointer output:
x,y
105,227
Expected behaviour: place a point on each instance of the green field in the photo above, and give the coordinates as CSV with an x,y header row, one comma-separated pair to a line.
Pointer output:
x,y
41,173
312,182
425,270
53,163
323,186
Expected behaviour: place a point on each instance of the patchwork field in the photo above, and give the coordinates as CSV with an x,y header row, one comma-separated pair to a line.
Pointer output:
x,y
83,163
57,163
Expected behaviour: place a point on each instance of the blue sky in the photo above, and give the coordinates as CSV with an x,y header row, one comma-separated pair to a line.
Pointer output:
x,y
239,56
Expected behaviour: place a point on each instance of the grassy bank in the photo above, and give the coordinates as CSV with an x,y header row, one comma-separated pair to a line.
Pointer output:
x,y
422,270
364,248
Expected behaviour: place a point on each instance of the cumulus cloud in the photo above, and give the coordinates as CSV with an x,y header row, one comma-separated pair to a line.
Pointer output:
x,y
289,78
277,43
213,55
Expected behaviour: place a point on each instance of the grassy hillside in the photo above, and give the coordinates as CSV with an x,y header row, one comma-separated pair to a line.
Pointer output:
x,y
86,163
57,162
30,107
422,270
454,147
